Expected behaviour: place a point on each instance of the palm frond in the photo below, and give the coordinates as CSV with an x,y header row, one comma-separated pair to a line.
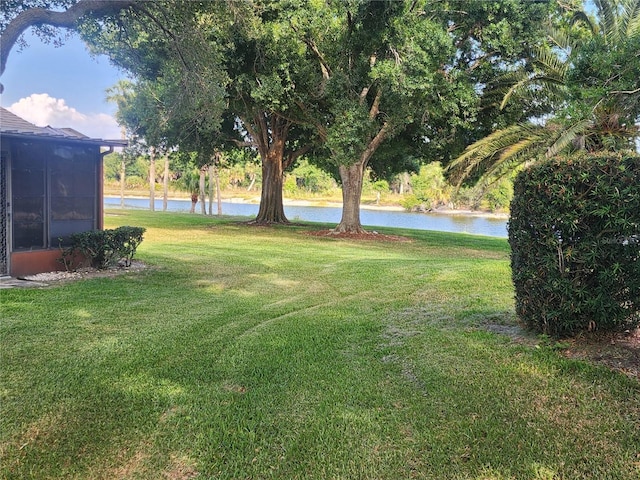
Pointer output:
x,y
551,72
551,64
582,17
609,25
563,137
490,153
518,86
562,38
631,18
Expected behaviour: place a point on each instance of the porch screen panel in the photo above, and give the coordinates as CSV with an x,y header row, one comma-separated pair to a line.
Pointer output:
x,y
4,227
74,191
28,187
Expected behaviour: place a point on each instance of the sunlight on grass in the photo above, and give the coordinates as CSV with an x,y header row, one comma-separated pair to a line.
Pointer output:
x,y
82,313
269,353
144,385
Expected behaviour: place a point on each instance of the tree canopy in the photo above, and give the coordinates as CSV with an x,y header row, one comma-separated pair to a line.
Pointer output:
x,y
586,75
364,84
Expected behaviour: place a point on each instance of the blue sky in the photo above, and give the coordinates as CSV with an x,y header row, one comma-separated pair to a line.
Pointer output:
x,y
61,86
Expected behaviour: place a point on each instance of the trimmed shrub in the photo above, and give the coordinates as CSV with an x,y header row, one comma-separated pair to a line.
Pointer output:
x,y
574,233
103,248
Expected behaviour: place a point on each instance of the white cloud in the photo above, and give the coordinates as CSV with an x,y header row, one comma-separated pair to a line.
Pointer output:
x,y
43,110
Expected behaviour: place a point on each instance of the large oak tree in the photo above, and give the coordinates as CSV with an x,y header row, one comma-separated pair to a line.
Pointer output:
x,y
381,68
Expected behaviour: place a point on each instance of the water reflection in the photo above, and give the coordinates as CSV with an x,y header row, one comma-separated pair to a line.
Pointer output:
x,y
494,227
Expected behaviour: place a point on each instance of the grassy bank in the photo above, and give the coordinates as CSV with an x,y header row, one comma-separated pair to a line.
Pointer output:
x,y
246,352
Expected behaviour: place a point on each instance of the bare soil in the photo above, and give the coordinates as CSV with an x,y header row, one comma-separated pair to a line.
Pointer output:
x,y
617,351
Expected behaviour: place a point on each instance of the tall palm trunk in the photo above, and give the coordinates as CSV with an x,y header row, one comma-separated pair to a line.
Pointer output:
x,y
123,179
165,184
152,179
211,186
203,197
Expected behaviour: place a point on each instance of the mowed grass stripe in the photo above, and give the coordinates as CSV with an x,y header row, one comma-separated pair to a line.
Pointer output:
x,y
246,352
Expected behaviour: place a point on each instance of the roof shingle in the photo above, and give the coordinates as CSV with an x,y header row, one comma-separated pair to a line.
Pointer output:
x,y
11,124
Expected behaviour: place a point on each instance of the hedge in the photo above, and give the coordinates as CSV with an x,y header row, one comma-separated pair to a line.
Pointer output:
x,y
103,248
574,233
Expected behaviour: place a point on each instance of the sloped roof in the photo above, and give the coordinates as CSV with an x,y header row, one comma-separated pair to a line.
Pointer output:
x,y
13,125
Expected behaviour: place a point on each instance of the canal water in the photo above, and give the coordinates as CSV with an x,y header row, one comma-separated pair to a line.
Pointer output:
x,y
459,223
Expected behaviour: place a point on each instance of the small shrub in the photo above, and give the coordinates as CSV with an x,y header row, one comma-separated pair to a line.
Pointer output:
x,y
574,232
410,202
103,248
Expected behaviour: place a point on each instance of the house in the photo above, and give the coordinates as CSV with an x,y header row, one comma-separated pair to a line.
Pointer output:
x,y
50,188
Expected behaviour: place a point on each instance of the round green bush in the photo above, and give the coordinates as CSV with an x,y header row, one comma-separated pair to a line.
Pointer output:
x,y
574,233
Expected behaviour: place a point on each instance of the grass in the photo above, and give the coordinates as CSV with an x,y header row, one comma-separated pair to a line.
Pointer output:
x,y
247,352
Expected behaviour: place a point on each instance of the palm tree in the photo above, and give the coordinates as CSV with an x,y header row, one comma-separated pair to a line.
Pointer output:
x,y
190,181
588,74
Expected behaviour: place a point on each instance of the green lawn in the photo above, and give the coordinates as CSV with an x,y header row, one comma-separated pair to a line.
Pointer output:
x,y
254,353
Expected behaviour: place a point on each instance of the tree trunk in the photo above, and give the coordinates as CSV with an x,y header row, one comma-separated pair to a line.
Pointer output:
x,y
216,172
211,180
123,180
252,176
271,204
203,198
165,184
152,179
352,177
194,202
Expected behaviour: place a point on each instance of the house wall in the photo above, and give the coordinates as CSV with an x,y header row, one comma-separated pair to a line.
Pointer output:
x,y
55,190
37,261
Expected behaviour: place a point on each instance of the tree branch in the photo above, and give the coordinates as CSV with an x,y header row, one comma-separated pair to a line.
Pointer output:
x,y
626,92
168,34
292,156
375,108
375,143
35,17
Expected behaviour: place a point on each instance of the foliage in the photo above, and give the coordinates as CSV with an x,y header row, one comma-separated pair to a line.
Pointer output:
x,y
585,75
430,188
135,181
309,178
575,237
498,196
189,181
178,96
112,166
382,64
103,248
491,39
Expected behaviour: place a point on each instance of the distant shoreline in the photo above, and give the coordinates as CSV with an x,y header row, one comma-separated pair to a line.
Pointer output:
x,y
322,203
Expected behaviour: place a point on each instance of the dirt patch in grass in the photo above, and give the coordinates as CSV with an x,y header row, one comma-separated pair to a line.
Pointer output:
x,y
618,351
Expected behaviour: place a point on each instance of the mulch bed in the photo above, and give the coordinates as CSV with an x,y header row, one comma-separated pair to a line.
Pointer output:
x,y
372,236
